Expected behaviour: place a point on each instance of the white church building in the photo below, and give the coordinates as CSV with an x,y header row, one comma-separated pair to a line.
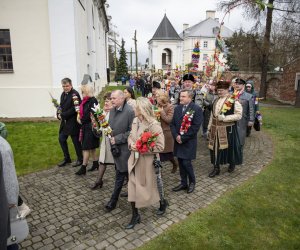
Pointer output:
x,y
167,47
44,41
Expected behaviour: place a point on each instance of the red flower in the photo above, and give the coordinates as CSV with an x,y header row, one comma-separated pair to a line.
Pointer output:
x,y
152,144
146,142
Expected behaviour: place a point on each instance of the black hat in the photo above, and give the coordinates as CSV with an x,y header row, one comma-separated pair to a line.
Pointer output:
x,y
188,77
156,84
222,85
240,81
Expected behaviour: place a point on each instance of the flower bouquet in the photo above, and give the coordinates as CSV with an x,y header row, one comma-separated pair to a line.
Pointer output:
x,y
186,121
229,102
146,142
99,122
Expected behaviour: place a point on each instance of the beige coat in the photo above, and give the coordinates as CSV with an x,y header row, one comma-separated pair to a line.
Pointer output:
x,y
166,116
142,187
105,156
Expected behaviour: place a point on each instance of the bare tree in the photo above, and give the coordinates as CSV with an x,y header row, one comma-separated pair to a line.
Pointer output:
x,y
256,9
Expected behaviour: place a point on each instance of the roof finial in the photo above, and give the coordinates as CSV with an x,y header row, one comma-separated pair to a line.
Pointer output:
x,y
165,12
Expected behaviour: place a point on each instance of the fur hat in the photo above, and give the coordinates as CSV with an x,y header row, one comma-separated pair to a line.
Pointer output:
x,y
222,85
188,77
240,81
156,85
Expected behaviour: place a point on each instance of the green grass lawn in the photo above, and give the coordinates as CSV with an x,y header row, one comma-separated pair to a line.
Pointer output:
x,y
263,213
35,145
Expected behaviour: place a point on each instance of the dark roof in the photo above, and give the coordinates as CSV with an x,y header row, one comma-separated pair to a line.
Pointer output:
x,y
165,31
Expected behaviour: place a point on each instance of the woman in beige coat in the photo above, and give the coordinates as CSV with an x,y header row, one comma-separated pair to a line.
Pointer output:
x,y
142,186
166,110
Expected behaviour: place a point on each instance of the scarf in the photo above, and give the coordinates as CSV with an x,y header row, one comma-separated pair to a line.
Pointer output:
x,y
84,100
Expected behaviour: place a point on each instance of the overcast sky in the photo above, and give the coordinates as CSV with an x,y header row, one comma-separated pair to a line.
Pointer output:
x,y
146,15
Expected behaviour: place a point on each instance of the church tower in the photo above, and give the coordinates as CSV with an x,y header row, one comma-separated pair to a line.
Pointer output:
x,y
165,47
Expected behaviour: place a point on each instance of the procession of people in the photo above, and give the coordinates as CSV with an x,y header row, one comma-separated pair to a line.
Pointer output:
x,y
137,136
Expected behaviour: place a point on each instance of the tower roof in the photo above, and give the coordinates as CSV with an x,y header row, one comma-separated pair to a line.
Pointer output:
x,y
165,31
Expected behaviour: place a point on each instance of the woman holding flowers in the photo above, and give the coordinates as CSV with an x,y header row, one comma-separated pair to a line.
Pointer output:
x,y
224,143
88,141
145,141
105,157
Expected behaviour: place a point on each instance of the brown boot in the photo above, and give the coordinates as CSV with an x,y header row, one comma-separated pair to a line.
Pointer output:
x,y
175,166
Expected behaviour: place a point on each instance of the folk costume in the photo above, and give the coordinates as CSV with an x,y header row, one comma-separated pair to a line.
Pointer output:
x,y
224,142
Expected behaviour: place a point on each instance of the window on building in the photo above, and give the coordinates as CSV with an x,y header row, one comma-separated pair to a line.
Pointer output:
x,y
205,57
6,64
205,44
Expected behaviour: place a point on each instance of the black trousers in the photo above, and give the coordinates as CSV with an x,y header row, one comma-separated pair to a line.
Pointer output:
x,y
186,171
64,146
119,181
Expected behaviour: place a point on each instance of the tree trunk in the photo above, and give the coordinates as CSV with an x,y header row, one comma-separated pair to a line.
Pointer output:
x,y
297,102
265,55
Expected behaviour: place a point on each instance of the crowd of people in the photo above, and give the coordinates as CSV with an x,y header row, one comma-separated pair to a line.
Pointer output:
x,y
173,110
160,126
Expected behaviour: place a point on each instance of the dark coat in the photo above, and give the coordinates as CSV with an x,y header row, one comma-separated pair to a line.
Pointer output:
x,y
69,124
246,101
186,150
89,141
120,121
4,211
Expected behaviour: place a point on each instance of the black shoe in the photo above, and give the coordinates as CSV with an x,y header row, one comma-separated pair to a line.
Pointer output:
x,y
64,163
82,170
216,171
231,168
179,187
191,188
162,208
136,218
95,166
124,194
96,185
76,163
111,205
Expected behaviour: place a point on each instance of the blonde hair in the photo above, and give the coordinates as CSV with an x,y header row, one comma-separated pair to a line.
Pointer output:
x,y
163,96
87,89
144,106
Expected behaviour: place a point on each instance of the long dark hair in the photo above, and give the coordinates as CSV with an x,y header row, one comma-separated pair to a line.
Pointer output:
x,y
131,92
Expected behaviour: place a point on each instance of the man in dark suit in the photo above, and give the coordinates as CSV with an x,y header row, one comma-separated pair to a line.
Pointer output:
x,y
185,145
120,120
69,125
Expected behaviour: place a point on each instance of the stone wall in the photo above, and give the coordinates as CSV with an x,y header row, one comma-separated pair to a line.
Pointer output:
x,y
287,88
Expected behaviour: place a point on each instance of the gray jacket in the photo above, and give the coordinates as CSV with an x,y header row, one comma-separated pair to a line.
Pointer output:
x,y
9,172
248,115
120,121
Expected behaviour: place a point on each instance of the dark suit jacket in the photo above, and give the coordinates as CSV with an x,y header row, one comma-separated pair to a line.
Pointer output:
x,y
69,124
186,150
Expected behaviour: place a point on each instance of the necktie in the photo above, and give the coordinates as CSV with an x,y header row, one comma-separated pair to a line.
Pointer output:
x,y
183,108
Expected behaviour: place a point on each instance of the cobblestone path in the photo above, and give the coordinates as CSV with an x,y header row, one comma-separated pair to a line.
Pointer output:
x,y
68,215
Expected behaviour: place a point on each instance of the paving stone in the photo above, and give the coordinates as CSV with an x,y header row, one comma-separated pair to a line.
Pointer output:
x,y
68,215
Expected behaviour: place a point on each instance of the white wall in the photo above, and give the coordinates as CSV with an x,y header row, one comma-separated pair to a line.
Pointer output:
x,y
49,42
23,92
158,48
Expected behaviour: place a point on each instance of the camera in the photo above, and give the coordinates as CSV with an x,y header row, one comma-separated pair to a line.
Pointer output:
x,y
115,150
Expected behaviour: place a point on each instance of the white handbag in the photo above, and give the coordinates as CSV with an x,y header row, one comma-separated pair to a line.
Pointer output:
x,y
18,227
